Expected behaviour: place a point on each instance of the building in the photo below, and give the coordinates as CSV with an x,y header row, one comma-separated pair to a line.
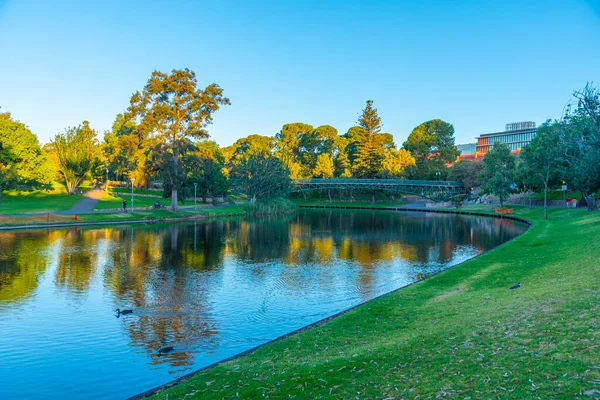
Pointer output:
x,y
516,135
468,148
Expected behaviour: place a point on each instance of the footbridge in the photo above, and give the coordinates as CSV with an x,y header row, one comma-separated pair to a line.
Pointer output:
x,y
433,190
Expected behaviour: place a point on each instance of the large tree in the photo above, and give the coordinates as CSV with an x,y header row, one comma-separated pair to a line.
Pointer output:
x,y
287,147
22,161
127,151
542,158
172,107
238,153
432,146
498,172
580,144
75,153
263,177
313,144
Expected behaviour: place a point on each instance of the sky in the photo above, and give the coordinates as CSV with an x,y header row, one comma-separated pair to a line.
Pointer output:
x,y
476,64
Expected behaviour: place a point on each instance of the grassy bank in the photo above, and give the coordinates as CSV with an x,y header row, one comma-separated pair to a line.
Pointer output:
x,y
19,202
149,215
460,334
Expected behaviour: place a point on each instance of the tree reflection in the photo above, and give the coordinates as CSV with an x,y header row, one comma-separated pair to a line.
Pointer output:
x,y
168,272
23,261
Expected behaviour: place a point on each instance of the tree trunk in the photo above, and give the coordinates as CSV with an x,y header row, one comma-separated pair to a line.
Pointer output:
x,y
546,200
0,194
329,193
173,200
590,199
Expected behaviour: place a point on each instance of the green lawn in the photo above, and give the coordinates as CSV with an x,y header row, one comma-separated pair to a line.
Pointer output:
x,y
109,201
460,334
558,195
19,202
158,192
150,215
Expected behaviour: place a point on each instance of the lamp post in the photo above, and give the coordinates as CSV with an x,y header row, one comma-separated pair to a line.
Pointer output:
x,y
437,174
132,182
195,187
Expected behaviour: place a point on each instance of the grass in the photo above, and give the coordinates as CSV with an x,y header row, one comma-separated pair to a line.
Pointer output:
x,y
150,215
460,334
110,201
155,192
19,202
558,195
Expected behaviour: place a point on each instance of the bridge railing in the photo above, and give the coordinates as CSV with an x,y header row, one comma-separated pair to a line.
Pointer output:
x,y
403,182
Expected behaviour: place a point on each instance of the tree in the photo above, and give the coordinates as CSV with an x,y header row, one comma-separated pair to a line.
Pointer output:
x,y
264,177
22,161
580,144
432,146
237,154
75,153
287,146
542,157
466,172
175,110
395,163
314,143
342,161
370,144
324,167
127,151
206,168
498,172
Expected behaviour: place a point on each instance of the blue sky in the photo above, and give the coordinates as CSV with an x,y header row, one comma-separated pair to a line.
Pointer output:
x,y
476,64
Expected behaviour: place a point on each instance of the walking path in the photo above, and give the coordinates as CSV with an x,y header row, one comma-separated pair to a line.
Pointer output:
x,y
85,205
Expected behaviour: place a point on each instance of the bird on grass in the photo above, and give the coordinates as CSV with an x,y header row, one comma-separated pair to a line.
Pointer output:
x,y
123,312
513,287
165,350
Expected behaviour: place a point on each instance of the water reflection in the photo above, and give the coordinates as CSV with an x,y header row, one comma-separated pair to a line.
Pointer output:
x,y
210,289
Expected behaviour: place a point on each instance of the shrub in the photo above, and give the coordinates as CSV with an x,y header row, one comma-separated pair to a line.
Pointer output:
x,y
271,206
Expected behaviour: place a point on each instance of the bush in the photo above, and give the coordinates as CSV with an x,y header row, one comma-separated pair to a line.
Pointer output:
x,y
271,206
215,201
230,200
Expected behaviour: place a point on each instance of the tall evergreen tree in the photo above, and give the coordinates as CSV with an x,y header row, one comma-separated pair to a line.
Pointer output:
x,y
370,144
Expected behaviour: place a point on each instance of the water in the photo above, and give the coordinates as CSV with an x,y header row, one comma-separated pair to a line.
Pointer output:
x,y
210,290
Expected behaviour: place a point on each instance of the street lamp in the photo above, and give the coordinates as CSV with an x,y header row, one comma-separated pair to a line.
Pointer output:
x,y
195,187
132,182
437,174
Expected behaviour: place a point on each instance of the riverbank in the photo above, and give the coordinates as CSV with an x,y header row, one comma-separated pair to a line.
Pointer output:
x,y
461,333
142,216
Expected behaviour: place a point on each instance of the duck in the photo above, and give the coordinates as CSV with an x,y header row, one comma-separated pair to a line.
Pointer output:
x,y
123,312
164,350
516,286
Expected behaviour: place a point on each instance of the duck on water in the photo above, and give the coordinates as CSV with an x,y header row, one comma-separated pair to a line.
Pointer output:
x,y
123,312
